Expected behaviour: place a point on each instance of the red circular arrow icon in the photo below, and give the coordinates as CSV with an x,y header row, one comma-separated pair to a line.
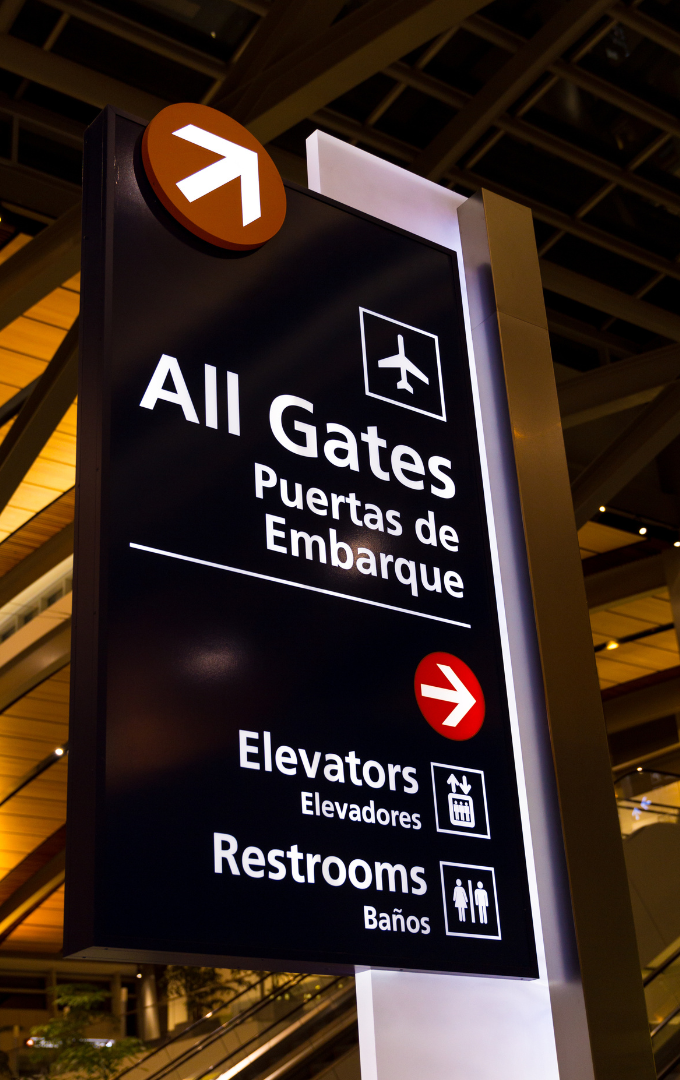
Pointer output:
x,y
449,696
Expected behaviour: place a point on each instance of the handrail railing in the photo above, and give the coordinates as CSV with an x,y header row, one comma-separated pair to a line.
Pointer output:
x,y
661,967
190,1027
275,1023
223,1029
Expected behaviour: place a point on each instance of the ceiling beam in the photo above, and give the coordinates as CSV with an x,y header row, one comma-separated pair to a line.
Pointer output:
x,y
611,587
585,334
65,76
335,61
39,562
525,132
259,7
146,38
619,305
32,862
53,395
639,706
34,664
192,58
612,387
9,9
573,225
15,404
502,89
511,41
42,766
610,408
562,281
32,892
288,23
35,117
48,261
621,99
37,192
650,28
628,454
586,80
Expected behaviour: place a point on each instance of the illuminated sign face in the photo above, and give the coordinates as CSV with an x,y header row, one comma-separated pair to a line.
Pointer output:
x,y
292,701
213,176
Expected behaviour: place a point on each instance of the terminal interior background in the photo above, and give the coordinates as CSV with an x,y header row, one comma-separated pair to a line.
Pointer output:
x,y
571,109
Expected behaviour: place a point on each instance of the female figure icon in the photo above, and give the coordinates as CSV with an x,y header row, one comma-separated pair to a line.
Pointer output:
x,y
460,900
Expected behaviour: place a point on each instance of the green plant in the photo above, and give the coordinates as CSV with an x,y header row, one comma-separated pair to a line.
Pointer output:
x,y
62,1046
205,989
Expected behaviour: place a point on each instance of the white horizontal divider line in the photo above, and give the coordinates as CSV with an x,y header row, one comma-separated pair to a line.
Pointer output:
x,y
297,585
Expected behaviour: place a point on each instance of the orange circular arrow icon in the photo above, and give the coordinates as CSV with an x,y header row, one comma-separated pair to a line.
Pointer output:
x,y
213,176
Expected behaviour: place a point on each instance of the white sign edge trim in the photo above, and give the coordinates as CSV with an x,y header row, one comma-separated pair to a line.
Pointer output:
x,y
297,585
413,211
506,647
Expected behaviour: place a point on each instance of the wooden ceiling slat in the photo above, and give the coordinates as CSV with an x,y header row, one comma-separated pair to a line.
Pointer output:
x,y
18,370
33,750
49,730
36,827
52,710
32,338
42,929
37,530
638,652
52,473
32,863
60,309
618,672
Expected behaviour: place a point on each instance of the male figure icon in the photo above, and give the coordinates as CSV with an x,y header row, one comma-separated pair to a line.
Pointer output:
x,y
482,901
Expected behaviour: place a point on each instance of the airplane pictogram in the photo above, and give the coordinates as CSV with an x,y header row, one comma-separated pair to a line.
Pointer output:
x,y
406,367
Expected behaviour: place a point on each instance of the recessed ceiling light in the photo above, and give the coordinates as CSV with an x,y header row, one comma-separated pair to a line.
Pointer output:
x,y
642,531
602,509
613,644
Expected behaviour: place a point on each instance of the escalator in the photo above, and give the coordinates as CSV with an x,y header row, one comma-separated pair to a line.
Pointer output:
x,y
304,1027
662,992
292,1027
649,814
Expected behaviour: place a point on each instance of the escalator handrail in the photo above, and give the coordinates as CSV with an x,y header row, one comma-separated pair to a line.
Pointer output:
x,y
182,1033
661,967
666,1020
318,993
314,1044
223,1029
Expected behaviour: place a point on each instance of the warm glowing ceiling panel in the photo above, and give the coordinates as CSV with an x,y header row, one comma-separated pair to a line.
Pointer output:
x,y
42,930
594,539
29,731
634,659
26,347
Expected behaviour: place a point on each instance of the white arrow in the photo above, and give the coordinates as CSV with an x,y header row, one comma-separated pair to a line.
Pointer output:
x,y
455,782
236,161
460,695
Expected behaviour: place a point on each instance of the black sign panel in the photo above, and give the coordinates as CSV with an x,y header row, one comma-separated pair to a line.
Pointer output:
x,y
280,517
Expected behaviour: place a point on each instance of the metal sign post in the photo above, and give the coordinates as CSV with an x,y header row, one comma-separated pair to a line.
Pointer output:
x,y
591,1019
